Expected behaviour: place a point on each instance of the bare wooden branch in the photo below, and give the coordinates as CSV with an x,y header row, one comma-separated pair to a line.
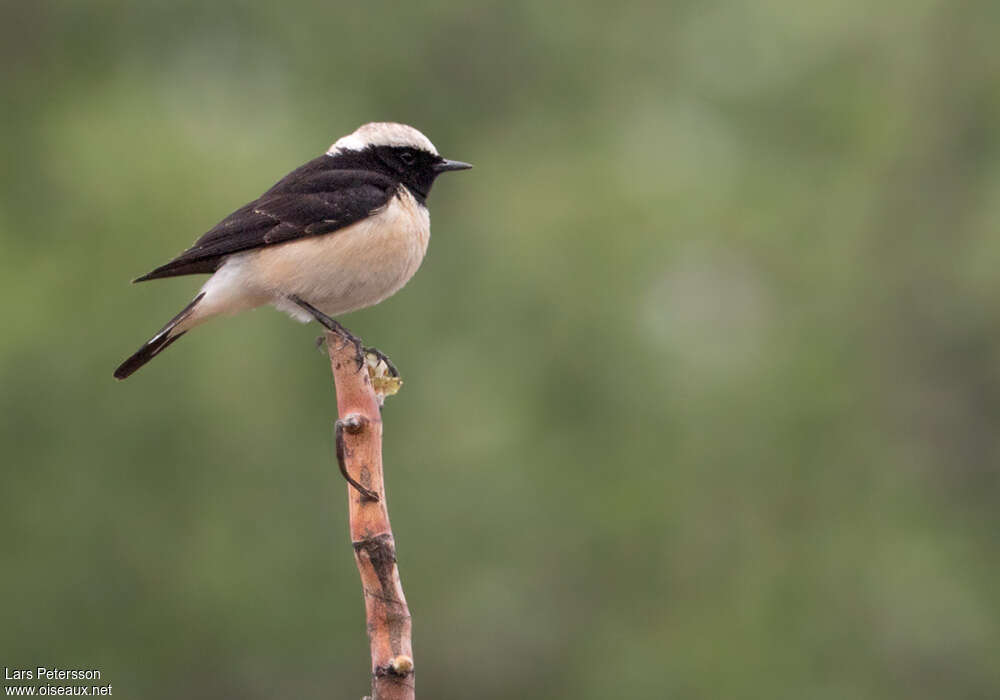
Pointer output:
x,y
359,451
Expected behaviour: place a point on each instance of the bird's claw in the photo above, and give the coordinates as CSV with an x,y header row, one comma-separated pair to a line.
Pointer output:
x,y
382,357
337,328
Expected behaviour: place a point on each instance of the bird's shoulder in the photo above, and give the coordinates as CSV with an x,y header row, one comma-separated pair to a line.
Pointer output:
x,y
330,174
318,197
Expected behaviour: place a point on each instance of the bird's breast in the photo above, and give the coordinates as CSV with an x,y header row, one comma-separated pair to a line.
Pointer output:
x,y
353,267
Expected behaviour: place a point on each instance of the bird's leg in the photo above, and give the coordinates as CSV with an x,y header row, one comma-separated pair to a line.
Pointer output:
x,y
382,357
334,327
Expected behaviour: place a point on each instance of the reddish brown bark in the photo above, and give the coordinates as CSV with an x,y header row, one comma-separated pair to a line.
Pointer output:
x,y
388,618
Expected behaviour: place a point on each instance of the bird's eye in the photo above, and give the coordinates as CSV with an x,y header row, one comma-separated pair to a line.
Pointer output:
x,y
407,157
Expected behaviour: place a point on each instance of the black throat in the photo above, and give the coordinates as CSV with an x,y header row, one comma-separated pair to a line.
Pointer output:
x,y
410,167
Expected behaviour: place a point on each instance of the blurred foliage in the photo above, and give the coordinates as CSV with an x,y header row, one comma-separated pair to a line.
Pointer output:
x,y
702,370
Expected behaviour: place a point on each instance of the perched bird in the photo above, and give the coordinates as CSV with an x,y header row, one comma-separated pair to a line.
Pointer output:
x,y
342,232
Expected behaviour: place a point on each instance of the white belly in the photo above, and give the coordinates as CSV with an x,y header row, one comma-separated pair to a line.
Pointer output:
x,y
337,272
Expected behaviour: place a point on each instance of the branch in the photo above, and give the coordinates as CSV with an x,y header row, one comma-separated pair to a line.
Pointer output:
x,y
359,453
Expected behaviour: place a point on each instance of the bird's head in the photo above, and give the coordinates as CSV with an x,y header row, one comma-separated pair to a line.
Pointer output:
x,y
397,150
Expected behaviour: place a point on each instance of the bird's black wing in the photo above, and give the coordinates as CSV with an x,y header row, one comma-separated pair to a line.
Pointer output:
x,y
309,201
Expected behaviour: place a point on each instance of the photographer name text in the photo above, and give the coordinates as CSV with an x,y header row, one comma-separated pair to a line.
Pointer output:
x,y
51,674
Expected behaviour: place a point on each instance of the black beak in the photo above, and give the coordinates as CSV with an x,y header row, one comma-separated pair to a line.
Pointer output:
x,y
445,165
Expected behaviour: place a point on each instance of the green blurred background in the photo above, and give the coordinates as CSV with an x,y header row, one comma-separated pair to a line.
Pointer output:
x,y
702,369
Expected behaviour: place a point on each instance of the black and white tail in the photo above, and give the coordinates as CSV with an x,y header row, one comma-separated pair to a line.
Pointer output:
x,y
155,345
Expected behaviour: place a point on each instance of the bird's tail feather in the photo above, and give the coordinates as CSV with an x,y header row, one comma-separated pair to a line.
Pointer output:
x,y
155,345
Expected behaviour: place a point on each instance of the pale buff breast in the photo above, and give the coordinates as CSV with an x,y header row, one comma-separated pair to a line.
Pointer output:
x,y
349,269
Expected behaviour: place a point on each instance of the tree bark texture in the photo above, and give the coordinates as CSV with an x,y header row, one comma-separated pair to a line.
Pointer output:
x,y
359,451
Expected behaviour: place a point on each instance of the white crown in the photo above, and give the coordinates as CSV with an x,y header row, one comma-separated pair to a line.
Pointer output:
x,y
382,134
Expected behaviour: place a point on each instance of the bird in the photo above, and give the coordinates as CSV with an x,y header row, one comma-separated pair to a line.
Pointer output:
x,y
342,232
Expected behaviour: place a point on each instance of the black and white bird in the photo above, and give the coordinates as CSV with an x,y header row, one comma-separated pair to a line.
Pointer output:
x,y
340,233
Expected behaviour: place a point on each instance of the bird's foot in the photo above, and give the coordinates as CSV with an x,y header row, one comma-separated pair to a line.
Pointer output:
x,y
382,357
333,326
